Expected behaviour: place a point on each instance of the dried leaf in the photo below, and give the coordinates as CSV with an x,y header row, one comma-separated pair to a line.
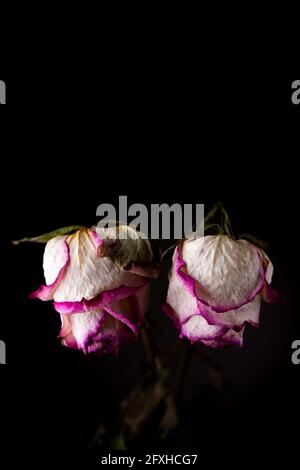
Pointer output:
x,y
47,236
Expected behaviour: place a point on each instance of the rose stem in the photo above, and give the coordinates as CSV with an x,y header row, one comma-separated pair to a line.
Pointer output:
x,y
182,372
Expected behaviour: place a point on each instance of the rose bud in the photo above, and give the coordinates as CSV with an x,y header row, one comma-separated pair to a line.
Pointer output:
x,y
99,284
215,287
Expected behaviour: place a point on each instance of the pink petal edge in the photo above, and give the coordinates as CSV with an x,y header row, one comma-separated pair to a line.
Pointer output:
x,y
190,284
46,292
102,299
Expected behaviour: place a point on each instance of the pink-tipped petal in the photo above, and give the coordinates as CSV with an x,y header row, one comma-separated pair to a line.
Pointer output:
x,y
232,337
267,265
66,327
196,328
268,294
110,337
101,303
88,274
66,333
181,296
223,296
56,261
122,318
102,299
215,288
248,312
84,326
100,329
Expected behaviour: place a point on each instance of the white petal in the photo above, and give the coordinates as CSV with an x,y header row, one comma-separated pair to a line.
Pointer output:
x,y
231,337
87,274
197,328
179,298
269,268
89,328
54,258
227,271
85,325
246,313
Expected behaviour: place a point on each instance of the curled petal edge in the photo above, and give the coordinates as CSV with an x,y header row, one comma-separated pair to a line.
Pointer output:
x,y
191,285
103,299
45,292
218,333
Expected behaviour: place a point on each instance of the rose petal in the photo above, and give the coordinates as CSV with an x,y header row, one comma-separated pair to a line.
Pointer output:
x,y
112,334
248,312
232,337
66,333
122,318
181,297
88,274
223,273
215,287
84,325
196,328
56,261
268,266
101,300
92,327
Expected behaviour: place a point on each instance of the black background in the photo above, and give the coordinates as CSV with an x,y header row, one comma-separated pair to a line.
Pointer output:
x,y
71,142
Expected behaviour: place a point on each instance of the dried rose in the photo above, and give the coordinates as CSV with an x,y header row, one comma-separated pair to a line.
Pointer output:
x,y
216,286
99,282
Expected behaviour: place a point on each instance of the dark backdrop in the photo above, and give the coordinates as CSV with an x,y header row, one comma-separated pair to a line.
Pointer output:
x,y
156,138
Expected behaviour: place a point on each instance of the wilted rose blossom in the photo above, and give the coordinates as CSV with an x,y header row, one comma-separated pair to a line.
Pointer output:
x,y
99,284
216,286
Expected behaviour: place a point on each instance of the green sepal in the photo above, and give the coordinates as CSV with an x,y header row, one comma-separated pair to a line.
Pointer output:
x,y
47,236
